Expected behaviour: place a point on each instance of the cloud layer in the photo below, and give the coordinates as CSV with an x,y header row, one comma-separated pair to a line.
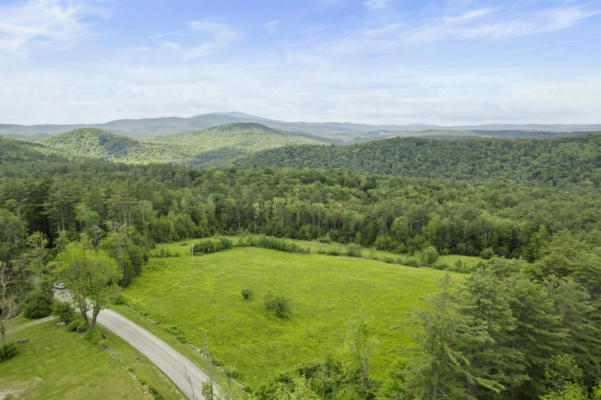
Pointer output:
x,y
379,63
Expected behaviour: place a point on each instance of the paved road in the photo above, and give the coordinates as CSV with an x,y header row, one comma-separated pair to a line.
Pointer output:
x,y
183,372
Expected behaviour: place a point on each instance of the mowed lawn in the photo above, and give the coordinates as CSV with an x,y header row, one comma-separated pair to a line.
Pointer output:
x,y
204,300
57,364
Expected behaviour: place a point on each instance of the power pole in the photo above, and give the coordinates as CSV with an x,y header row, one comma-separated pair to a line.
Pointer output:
x,y
323,380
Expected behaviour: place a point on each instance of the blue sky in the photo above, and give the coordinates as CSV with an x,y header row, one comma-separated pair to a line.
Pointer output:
x,y
374,61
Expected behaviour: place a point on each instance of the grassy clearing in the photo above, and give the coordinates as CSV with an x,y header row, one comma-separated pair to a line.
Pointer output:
x,y
57,364
204,299
317,247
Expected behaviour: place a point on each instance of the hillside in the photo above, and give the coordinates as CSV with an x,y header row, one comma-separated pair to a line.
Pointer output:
x,y
97,143
223,143
213,146
552,161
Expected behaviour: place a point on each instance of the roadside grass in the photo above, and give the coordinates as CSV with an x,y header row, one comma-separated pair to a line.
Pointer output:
x,y
57,364
204,300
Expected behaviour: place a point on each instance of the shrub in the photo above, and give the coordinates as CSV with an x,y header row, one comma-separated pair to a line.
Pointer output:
x,y
412,262
8,351
272,243
94,336
64,311
279,305
37,305
247,294
353,250
119,299
77,325
206,246
487,253
429,256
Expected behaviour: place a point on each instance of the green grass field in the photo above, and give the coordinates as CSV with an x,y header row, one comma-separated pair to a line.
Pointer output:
x,y
315,247
57,364
204,299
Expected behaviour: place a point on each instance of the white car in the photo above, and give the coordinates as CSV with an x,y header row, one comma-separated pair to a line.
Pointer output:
x,y
59,286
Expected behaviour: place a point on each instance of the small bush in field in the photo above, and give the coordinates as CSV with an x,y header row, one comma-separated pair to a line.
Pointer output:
x,y
247,294
279,305
8,351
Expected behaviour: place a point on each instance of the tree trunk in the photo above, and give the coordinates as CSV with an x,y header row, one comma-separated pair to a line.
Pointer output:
x,y
3,332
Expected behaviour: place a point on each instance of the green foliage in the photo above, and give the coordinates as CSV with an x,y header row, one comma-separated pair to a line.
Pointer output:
x,y
268,242
247,294
429,256
549,161
63,310
208,393
8,351
77,325
278,305
352,250
207,246
37,305
91,276
212,146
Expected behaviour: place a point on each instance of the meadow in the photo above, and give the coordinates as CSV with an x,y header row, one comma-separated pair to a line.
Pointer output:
x,y
57,364
202,302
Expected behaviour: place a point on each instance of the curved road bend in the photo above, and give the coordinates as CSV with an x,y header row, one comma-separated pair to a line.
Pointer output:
x,y
183,372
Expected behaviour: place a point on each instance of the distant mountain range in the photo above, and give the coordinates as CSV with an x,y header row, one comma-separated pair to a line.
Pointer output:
x,y
341,132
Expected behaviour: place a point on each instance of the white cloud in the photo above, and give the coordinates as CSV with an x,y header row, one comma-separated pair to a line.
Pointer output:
x,y
325,93
55,24
272,26
476,24
375,4
201,38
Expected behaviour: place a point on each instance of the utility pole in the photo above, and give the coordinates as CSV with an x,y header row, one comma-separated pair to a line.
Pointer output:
x,y
323,380
192,255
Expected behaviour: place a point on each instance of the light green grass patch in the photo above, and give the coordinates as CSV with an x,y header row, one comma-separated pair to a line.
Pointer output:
x,y
325,292
57,364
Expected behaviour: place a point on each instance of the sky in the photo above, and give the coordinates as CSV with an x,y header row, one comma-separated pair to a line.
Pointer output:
x,y
372,61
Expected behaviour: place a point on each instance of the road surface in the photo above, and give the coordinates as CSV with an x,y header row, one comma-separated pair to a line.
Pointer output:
x,y
183,372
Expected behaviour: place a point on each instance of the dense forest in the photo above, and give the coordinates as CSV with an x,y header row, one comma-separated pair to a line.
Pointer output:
x,y
561,161
527,326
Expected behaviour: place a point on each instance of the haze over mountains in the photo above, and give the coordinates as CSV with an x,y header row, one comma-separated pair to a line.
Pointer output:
x,y
339,131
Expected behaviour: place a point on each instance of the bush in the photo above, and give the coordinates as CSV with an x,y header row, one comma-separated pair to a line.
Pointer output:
x,y
119,300
8,351
429,256
64,311
272,243
279,305
94,336
487,253
247,294
218,243
353,250
37,305
77,326
412,262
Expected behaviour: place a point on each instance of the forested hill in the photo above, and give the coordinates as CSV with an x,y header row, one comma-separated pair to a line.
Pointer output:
x,y
97,143
549,161
221,144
